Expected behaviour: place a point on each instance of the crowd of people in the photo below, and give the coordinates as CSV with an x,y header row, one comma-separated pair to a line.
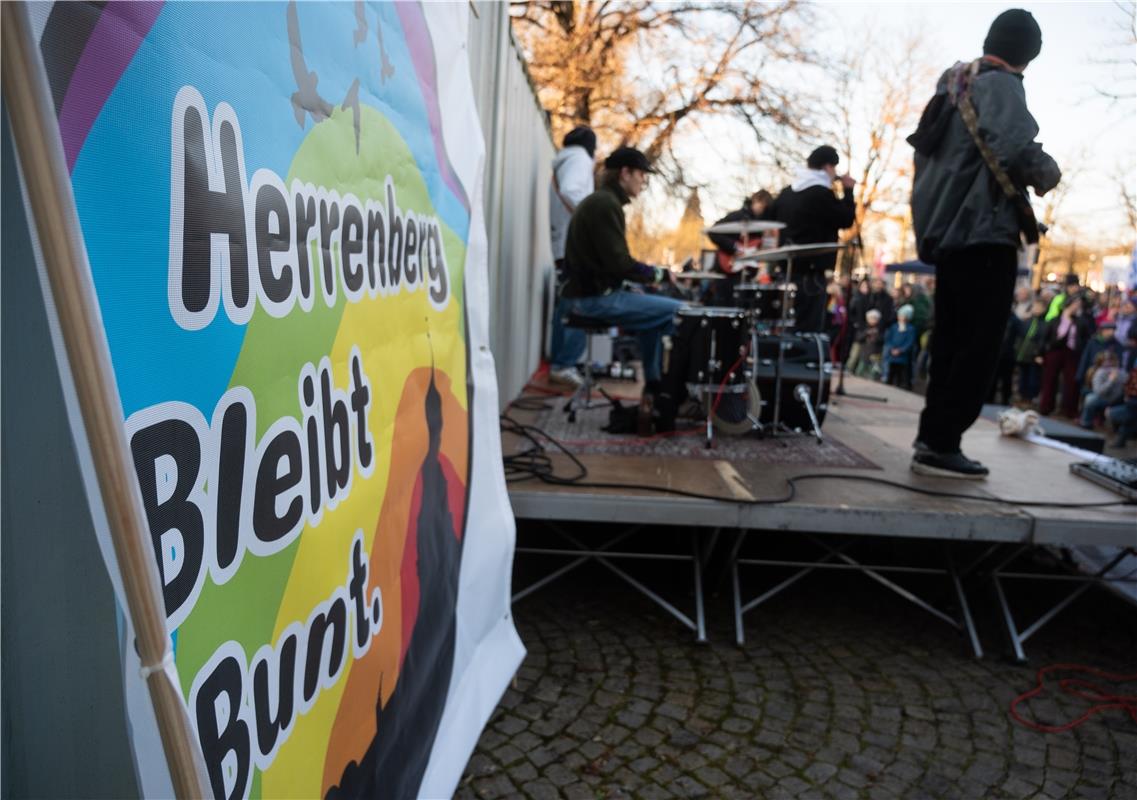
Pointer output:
x,y
1066,351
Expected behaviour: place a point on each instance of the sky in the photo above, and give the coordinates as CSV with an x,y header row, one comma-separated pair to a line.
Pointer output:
x,y
1060,84
1077,125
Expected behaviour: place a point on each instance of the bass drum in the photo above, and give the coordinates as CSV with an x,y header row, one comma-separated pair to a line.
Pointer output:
x,y
805,362
718,339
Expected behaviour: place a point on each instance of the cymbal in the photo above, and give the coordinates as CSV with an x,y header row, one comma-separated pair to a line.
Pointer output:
x,y
792,251
746,226
700,276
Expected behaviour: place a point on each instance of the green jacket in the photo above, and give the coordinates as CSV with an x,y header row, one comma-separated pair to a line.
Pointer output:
x,y
596,250
1056,306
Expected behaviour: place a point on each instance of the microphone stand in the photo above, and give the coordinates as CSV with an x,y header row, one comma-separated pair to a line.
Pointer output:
x,y
840,390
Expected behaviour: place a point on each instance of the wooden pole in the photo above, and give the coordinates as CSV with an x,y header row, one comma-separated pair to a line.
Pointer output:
x,y
35,132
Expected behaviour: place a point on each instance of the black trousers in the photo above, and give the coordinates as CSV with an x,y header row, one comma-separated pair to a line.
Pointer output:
x,y
812,297
974,290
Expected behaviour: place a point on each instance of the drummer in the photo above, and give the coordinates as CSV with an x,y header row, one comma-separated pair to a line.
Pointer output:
x,y
599,263
729,245
813,213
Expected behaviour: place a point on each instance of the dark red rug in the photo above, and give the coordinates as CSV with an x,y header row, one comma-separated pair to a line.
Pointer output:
x,y
586,436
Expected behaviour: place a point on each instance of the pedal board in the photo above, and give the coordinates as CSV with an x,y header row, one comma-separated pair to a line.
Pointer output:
x,y
1112,473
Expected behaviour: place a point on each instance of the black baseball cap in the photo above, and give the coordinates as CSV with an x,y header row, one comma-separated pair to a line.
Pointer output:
x,y
628,157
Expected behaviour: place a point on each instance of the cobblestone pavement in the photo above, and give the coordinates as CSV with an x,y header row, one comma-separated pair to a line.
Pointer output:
x,y
842,691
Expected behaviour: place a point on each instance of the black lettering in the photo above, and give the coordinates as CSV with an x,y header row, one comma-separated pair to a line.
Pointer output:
x,y
439,280
410,257
178,439
376,255
305,221
271,202
269,728
313,433
206,212
267,526
355,586
351,244
360,401
217,742
334,619
337,438
329,221
394,239
230,482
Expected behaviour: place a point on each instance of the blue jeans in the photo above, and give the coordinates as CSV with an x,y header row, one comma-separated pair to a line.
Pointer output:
x,y
1124,419
565,342
1092,408
649,316
567,345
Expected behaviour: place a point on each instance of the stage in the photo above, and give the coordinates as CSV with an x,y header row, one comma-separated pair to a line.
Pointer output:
x,y
864,438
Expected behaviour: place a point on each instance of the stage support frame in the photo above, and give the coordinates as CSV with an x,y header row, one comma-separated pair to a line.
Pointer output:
x,y
604,555
1000,574
828,560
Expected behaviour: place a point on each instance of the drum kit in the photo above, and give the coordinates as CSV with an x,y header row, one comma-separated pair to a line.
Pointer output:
x,y
741,354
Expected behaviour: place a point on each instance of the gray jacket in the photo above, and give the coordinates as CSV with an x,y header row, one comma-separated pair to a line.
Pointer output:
x,y
956,202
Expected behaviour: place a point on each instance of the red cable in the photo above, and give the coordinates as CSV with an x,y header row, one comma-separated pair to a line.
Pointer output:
x,y
1079,687
726,377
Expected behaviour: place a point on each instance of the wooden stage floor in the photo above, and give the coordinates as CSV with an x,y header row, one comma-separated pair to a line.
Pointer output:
x,y
881,434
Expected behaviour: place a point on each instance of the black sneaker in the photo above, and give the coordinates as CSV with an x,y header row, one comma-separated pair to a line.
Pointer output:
x,y
947,465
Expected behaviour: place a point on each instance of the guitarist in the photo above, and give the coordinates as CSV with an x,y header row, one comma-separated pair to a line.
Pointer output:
x,y
975,156
729,244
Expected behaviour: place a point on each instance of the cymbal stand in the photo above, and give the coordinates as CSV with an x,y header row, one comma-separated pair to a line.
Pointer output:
x,y
776,423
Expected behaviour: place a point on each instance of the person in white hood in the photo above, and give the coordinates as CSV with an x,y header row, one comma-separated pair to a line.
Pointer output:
x,y
813,214
572,181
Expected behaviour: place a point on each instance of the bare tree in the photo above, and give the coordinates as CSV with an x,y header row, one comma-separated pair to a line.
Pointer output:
x,y
878,94
1124,57
640,72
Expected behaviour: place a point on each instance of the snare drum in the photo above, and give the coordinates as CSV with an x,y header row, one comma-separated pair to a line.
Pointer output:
x,y
718,338
765,300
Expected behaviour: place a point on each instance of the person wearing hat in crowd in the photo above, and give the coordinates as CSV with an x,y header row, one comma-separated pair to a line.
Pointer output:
x,y
970,230
900,349
1059,301
1104,340
598,263
812,214
572,181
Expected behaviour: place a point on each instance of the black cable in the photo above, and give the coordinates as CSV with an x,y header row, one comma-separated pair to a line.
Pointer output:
x,y
536,463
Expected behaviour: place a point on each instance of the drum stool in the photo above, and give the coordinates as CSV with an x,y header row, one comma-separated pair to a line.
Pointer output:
x,y
590,326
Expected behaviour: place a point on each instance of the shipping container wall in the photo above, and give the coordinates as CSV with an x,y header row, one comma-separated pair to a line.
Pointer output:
x,y
519,154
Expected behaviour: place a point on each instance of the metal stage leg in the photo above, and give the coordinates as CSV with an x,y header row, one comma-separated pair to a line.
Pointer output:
x,y
964,607
739,608
603,555
1087,582
700,615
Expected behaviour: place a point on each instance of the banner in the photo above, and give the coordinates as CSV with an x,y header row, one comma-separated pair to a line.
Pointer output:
x,y
281,205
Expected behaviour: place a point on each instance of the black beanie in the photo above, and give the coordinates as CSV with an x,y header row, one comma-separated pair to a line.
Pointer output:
x,y
582,136
1014,37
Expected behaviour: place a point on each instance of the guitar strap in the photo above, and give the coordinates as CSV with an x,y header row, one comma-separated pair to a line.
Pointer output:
x,y
962,97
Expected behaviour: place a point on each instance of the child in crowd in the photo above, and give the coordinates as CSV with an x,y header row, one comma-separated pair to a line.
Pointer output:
x,y
1105,382
865,358
900,349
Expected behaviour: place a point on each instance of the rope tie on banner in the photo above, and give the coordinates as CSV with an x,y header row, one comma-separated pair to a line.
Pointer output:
x,y
166,662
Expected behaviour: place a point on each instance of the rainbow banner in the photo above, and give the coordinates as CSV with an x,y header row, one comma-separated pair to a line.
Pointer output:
x,y
282,210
